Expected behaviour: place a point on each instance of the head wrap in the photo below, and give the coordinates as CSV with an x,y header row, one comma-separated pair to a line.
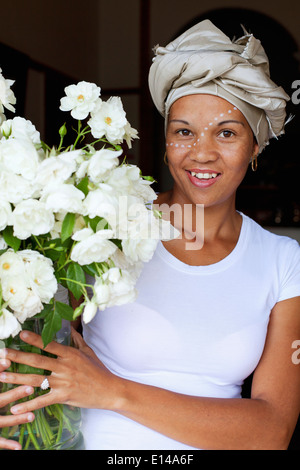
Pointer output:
x,y
205,60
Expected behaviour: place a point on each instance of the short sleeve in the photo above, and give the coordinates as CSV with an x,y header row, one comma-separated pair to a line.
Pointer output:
x,y
289,271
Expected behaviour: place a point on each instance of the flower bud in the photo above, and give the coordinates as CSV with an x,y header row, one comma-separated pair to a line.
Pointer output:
x,y
63,130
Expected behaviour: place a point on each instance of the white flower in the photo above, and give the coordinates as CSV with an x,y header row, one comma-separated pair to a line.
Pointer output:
x,y
101,202
80,99
20,297
31,217
28,256
19,127
93,247
5,212
115,287
58,169
109,119
11,264
3,244
9,325
130,134
102,294
89,311
101,163
139,249
7,97
19,156
142,189
63,198
42,279
14,188
123,179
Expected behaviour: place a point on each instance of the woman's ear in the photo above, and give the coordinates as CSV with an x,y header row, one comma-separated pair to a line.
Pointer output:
x,y
255,147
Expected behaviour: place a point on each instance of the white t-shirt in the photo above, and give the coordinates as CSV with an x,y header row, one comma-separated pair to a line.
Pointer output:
x,y
196,330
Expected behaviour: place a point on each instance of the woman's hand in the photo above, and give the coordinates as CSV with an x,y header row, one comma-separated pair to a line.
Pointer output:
x,y
7,421
78,377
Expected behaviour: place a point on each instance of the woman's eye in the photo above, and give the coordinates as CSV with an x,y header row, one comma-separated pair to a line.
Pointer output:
x,y
226,134
184,132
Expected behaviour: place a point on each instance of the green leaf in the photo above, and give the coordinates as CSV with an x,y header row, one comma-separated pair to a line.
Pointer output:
x,y
65,311
44,313
91,269
95,222
149,178
84,186
78,311
10,239
67,227
75,273
53,323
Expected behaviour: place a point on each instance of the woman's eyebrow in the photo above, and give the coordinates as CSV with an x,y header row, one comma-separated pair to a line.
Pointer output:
x,y
179,120
230,120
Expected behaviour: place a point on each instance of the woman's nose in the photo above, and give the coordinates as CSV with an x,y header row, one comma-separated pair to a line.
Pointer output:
x,y
203,150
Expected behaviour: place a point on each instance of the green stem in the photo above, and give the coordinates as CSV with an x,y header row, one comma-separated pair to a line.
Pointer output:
x,y
21,435
32,436
41,248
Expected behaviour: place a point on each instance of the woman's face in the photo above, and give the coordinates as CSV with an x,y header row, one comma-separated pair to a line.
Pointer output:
x,y
209,146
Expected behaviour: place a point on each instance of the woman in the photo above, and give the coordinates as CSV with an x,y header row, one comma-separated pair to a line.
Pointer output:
x,y
5,399
217,303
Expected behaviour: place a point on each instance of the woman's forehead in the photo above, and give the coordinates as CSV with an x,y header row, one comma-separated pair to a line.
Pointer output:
x,y
204,109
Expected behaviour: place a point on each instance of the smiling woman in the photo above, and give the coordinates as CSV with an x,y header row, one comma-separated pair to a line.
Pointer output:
x,y
210,151
167,370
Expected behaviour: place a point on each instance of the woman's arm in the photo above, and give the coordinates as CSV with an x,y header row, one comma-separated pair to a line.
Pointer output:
x,y
266,421
7,421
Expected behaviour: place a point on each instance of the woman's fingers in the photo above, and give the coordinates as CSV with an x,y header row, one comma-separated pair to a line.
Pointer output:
x,y
36,340
35,404
10,420
4,364
14,395
33,380
9,445
38,361
14,420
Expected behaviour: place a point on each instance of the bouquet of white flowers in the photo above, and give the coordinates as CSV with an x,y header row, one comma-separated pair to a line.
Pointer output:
x,y
68,212
75,217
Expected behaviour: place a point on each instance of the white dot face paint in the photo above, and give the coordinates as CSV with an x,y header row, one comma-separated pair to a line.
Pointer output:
x,y
202,134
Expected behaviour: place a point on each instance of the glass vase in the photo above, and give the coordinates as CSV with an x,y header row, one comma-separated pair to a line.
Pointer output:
x,y
55,427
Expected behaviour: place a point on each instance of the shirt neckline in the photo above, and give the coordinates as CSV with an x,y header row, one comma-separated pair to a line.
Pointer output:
x,y
225,263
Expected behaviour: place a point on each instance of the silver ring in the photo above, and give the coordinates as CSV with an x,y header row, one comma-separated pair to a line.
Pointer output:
x,y
45,384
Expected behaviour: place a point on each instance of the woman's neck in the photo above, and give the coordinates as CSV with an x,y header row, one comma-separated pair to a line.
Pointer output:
x,y
207,234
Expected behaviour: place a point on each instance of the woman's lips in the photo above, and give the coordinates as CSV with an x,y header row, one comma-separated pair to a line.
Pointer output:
x,y
203,178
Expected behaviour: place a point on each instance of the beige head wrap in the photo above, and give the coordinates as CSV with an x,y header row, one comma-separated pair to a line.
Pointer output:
x,y
204,60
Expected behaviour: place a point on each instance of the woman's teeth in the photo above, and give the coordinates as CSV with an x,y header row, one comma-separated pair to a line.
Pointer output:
x,y
204,176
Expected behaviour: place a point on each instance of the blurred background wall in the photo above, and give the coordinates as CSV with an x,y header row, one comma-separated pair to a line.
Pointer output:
x,y
57,42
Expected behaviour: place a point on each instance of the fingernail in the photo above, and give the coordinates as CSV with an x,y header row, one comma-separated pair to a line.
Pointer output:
x,y
2,376
24,335
4,363
30,417
16,409
29,390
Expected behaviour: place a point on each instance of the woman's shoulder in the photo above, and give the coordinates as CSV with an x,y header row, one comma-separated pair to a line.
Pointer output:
x,y
270,240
